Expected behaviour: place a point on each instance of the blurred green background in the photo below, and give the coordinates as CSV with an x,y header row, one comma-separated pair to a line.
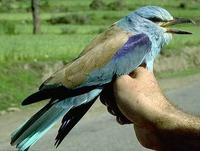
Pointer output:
x,y
66,27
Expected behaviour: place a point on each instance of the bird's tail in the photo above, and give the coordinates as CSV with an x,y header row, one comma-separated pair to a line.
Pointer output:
x,y
36,126
43,120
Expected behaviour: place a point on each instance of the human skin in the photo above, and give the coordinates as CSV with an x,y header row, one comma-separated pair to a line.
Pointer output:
x,y
157,123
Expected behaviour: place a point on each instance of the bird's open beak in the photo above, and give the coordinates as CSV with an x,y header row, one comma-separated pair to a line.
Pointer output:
x,y
174,22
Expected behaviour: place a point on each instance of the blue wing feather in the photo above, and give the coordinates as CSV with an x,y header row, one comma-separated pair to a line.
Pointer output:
x,y
139,40
125,60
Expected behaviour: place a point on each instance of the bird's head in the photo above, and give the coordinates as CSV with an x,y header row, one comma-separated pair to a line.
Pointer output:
x,y
154,19
155,22
162,18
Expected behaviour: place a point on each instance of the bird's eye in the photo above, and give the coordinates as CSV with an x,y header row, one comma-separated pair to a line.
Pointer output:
x,y
155,19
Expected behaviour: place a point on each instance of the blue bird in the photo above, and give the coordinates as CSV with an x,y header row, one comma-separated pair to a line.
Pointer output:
x,y
133,40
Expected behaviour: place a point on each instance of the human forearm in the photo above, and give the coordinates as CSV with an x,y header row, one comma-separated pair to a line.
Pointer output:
x,y
169,129
178,131
178,123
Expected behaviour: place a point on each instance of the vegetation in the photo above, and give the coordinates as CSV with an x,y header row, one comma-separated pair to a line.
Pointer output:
x,y
66,27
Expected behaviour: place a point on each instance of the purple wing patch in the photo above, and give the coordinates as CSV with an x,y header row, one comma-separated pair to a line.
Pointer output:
x,y
133,41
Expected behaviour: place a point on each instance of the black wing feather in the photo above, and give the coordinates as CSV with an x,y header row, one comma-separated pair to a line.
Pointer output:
x,y
70,120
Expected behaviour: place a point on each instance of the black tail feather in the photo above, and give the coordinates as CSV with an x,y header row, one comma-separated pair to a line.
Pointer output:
x,y
56,92
71,119
53,93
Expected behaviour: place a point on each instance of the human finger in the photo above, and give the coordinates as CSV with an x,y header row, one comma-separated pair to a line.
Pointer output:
x,y
123,120
108,99
106,95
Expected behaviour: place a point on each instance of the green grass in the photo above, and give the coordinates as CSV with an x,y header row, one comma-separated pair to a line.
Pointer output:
x,y
41,47
17,81
21,17
46,29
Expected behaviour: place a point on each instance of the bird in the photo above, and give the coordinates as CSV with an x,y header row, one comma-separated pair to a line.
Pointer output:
x,y
133,40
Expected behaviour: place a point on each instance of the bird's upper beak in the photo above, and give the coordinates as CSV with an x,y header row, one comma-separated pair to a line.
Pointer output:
x,y
174,22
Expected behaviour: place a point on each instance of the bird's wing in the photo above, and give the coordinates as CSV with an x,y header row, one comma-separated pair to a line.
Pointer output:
x,y
116,52
95,55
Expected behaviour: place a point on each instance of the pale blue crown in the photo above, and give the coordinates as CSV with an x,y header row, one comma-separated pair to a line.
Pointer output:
x,y
154,11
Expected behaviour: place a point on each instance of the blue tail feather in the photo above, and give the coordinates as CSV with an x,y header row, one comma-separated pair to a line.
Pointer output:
x,y
39,126
42,121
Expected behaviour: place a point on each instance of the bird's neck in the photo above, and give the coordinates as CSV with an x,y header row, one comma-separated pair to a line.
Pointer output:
x,y
137,26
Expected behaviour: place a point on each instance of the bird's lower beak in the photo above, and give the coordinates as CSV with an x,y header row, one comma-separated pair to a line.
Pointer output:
x,y
177,31
175,22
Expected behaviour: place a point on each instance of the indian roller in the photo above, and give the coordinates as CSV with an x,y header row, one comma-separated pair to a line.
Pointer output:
x,y
133,40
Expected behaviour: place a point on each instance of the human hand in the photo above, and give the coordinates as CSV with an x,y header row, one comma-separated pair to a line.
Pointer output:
x,y
136,95
136,98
